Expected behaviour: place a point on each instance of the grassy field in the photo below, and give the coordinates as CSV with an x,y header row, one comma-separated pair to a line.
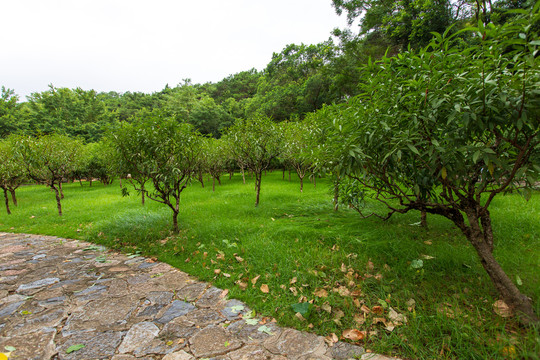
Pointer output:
x,y
294,249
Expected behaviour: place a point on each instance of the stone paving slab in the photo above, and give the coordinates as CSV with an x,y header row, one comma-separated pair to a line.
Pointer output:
x,y
59,294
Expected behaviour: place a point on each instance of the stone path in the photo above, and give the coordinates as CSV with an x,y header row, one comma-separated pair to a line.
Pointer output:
x,y
67,299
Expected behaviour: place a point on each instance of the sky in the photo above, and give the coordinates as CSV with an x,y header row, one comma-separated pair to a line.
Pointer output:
x,y
133,45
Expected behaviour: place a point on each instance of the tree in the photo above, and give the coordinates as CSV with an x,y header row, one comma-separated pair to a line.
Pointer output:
x,y
11,118
255,143
11,171
297,148
49,159
165,152
446,129
216,159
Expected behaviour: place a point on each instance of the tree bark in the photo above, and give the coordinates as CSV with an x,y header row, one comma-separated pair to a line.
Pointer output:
x,y
482,241
176,230
58,199
258,177
142,195
336,194
243,175
13,196
219,180
7,201
62,190
301,184
214,184
423,219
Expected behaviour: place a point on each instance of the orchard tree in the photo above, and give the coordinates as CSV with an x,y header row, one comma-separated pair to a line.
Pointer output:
x,y
448,128
12,119
165,152
216,159
11,171
50,159
297,148
255,143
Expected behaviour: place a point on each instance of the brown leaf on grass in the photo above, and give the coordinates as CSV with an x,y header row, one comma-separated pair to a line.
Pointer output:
x,y
379,320
293,290
411,304
359,319
354,334
326,308
396,317
356,303
242,285
445,310
370,265
343,268
220,256
293,280
205,254
502,309
377,309
338,314
254,280
224,293
320,293
265,289
428,242
365,309
239,259
386,267
331,339
226,275
342,290
300,317
217,271
356,293
378,277
283,287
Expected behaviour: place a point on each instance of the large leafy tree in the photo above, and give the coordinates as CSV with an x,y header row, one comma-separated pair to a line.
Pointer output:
x,y
12,119
447,129
166,153
255,143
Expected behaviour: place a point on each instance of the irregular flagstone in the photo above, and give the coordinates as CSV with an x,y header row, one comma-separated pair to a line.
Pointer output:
x,y
179,328
233,308
38,284
10,309
213,340
376,357
177,308
192,292
210,298
294,343
47,319
97,345
180,355
33,346
343,351
253,352
138,336
252,333
204,317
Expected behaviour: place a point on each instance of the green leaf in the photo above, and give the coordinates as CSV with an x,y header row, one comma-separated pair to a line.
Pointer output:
x,y
476,156
518,280
74,348
413,149
417,264
10,348
252,321
237,308
302,308
265,329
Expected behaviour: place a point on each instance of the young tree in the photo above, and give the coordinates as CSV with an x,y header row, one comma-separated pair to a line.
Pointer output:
x,y
255,143
11,171
216,159
165,152
447,129
297,148
49,159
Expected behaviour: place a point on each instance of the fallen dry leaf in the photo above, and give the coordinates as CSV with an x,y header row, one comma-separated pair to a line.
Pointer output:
x,y
265,289
359,319
300,317
354,334
343,291
320,293
217,271
242,285
396,317
428,242
293,280
283,287
377,309
411,304
379,320
254,280
331,339
370,265
326,308
502,309
293,290
356,303
239,259
365,309
343,268
226,275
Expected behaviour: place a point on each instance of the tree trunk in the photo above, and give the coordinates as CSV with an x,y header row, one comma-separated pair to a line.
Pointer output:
x,y
314,181
7,201
13,196
258,177
283,178
120,182
423,219
62,190
201,180
58,198
336,194
219,180
142,195
289,174
90,182
214,184
80,182
482,242
243,175
301,183
176,230
230,175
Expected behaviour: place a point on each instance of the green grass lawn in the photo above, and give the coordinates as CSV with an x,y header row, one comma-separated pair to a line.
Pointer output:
x,y
304,252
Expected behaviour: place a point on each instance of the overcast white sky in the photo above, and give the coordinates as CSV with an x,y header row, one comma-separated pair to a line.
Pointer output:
x,y
134,45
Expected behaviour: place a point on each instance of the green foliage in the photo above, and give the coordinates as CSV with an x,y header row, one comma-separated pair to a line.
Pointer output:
x,y
11,115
